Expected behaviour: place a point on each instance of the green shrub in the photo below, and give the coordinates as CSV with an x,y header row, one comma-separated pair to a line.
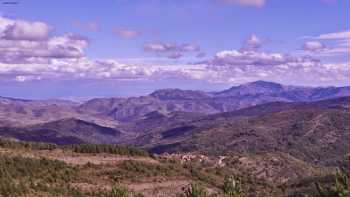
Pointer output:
x,y
117,191
8,187
206,176
232,187
196,190
18,175
107,148
341,187
27,145
133,170
20,167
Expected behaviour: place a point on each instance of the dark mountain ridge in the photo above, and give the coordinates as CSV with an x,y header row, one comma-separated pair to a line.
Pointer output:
x,y
65,131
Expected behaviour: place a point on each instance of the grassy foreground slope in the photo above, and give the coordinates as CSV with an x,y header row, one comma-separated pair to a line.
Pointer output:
x,y
38,169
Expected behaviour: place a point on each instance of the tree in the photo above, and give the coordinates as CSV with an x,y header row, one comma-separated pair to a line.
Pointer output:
x,y
342,184
232,187
196,190
117,192
341,187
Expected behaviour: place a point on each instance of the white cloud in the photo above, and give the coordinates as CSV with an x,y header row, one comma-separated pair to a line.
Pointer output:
x,y
314,46
171,50
23,30
339,43
244,58
281,68
21,78
30,42
62,57
342,35
234,66
29,51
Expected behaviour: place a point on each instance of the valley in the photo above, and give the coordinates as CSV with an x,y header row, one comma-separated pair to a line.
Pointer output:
x,y
273,139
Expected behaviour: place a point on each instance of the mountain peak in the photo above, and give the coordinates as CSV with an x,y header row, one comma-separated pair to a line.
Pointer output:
x,y
262,83
253,88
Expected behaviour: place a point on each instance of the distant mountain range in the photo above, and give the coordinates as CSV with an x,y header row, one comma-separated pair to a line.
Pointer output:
x,y
237,97
309,123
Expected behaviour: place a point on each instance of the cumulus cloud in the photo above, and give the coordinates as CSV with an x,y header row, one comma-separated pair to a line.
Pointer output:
x,y
23,78
28,51
127,33
84,68
171,50
235,66
255,3
313,46
27,56
30,42
23,30
338,44
165,47
246,58
342,35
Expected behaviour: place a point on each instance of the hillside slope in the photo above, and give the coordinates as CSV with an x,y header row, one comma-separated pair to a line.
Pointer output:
x,y
65,131
316,132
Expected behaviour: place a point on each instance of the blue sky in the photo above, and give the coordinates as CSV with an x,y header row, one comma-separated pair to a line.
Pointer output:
x,y
132,47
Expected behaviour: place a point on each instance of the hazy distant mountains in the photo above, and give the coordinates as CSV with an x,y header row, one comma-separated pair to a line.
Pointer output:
x,y
18,112
268,130
237,97
160,119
